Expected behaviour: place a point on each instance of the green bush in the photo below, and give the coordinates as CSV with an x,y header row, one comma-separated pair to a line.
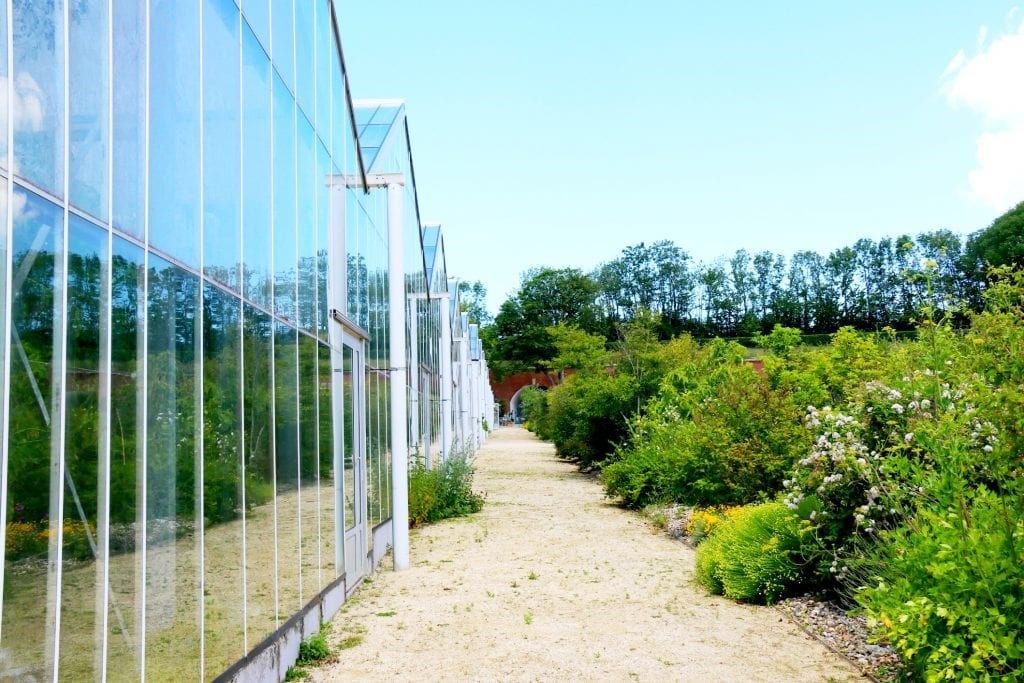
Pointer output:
x,y
587,414
753,555
710,438
949,594
442,492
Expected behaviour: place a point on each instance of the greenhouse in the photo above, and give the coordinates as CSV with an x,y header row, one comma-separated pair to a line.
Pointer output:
x,y
206,376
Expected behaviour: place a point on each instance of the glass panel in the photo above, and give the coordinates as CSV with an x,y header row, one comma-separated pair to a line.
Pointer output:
x,y
385,441
373,446
126,451
222,182
364,114
89,87
174,129
257,12
256,173
172,566
329,569
284,202
309,461
283,50
287,468
38,92
341,132
348,444
33,512
324,48
307,185
81,626
260,547
129,134
304,68
373,135
323,225
3,318
4,161
223,585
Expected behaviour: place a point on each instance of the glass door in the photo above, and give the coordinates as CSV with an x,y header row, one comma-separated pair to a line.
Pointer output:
x,y
350,406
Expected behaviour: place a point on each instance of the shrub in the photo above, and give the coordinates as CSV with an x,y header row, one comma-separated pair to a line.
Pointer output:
x,y
704,521
586,415
753,556
949,595
443,492
723,436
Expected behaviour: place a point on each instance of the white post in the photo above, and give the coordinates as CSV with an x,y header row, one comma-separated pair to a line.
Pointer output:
x,y
396,333
446,377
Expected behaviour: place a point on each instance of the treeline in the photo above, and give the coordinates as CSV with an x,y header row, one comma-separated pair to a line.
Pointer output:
x,y
869,285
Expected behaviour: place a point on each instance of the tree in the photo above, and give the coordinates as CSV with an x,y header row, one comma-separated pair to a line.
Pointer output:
x,y
473,296
520,340
1001,243
577,350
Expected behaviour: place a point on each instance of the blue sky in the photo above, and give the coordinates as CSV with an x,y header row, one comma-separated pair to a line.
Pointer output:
x,y
556,133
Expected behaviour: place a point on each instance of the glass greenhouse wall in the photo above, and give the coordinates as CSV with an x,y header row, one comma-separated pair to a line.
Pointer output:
x,y
196,444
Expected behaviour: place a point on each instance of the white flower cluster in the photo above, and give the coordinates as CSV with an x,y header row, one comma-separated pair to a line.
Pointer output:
x,y
984,434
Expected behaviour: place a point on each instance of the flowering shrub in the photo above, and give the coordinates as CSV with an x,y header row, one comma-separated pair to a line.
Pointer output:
x,y
704,521
31,539
753,556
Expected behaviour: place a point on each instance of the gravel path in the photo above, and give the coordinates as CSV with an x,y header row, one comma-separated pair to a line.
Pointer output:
x,y
552,581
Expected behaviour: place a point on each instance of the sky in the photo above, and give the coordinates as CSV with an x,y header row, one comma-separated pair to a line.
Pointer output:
x,y
557,132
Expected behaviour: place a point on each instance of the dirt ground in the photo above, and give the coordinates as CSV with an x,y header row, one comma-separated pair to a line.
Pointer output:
x,y
551,581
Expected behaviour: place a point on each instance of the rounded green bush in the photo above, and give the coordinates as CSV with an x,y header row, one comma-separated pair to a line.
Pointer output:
x,y
752,556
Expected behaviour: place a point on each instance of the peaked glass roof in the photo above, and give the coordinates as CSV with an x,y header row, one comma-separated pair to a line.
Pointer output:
x,y
373,122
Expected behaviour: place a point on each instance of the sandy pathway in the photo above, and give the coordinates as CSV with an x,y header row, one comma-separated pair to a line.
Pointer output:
x,y
552,582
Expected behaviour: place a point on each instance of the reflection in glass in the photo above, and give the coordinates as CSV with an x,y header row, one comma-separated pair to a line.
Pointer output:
x,y
373,445
128,133
385,449
256,173
174,120
89,86
284,201
323,225
309,460
257,13
38,92
33,515
329,567
307,186
172,571
222,183
304,70
348,434
81,627
324,49
223,586
127,338
287,468
283,53
4,75
258,419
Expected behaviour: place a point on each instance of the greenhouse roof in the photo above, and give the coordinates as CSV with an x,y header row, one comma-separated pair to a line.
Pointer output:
x,y
375,120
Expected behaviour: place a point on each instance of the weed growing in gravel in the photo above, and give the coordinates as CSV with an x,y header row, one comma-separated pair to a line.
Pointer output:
x,y
528,618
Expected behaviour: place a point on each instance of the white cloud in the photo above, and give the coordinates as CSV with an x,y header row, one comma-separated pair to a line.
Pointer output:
x,y
989,83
